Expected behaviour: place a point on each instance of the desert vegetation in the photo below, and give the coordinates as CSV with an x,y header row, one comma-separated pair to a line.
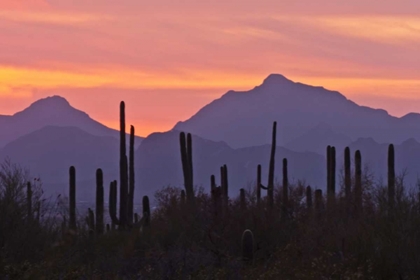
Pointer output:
x,y
357,229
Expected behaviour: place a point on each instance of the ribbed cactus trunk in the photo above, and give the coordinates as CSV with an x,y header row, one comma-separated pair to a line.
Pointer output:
x,y
72,198
309,202
331,165
259,184
347,178
212,184
146,211
242,199
391,176
248,247
113,204
270,185
29,201
186,158
99,209
123,221
225,186
358,182
131,176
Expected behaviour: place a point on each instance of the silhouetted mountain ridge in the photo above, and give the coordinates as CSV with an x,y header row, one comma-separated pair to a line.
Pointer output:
x,y
50,111
241,118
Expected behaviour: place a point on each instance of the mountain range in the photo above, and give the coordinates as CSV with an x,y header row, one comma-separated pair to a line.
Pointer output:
x,y
50,136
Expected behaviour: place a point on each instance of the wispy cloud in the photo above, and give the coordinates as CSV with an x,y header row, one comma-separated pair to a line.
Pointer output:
x,y
367,51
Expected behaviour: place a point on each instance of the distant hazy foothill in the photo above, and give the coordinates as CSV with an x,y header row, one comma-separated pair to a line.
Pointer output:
x,y
235,129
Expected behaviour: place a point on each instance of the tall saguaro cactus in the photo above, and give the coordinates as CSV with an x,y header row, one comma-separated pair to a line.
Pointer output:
x,y
225,184
123,171
270,184
391,176
186,158
330,175
347,176
99,209
72,198
358,181
113,203
146,211
131,176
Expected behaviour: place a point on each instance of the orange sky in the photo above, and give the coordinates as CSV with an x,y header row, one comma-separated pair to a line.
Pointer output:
x,y
168,59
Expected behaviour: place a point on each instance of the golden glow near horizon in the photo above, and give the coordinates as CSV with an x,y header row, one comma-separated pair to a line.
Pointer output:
x,y
171,59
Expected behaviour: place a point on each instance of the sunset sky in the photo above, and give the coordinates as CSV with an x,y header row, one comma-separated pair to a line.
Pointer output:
x,y
168,58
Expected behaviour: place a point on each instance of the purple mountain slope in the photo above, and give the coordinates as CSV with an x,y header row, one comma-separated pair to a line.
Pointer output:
x,y
159,163
241,118
49,152
317,139
51,111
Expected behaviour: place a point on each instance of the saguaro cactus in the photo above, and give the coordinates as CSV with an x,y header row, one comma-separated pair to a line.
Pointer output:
x,y
123,171
248,246
358,181
113,204
391,176
270,184
131,176
347,177
212,183
330,175
146,211
242,199
225,184
186,158
99,209
72,198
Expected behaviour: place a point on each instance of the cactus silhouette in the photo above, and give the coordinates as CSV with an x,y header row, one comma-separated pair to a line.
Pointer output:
x,y
146,211
248,247
122,221
72,198
99,209
347,177
391,176
242,199
358,181
270,185
330,175
131,176
113,203
212,183
225,184
186,158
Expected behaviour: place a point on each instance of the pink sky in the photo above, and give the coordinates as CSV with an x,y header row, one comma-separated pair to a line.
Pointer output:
x,y
167,59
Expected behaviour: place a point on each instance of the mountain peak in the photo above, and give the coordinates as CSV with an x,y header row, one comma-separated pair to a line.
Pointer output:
x,y
276,79
54,101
